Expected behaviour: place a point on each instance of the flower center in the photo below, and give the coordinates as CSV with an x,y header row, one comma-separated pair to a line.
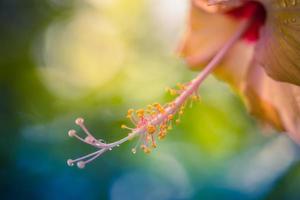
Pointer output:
x,y
254,10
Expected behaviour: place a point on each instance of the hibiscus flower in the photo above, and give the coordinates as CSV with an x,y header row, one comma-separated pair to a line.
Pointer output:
x,y
264,65
254,46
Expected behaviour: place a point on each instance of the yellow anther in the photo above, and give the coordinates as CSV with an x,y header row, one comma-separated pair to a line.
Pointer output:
x,y
159,107
195,98
163,126
151,129
170,117
162,132
180,112
161,110
140,113
150,107
173,92
145,148
181,86
156,105
161,136
170,127
154,145
177,121
123,126
130,111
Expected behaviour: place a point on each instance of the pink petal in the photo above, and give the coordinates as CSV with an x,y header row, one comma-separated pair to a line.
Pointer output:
x,y
275,102
235,65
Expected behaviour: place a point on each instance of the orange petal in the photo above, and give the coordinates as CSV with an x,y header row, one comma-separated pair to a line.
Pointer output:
x,y
278,49
206,33
275,102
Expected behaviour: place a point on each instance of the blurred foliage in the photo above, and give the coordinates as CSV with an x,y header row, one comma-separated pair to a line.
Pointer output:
x,y
96,59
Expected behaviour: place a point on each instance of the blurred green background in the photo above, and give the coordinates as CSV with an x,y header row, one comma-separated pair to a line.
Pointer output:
x,y
61,59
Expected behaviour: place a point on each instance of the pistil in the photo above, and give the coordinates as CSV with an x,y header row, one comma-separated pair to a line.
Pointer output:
x,y
155,121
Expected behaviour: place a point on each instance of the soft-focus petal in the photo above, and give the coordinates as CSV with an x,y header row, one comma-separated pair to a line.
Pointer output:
x,y
218,6
275,102
205,35
235,65
278,49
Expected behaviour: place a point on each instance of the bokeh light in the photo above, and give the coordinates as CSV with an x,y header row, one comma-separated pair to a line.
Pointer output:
x,y
98,58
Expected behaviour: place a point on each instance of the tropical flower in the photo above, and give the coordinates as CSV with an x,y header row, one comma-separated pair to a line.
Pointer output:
x,y
252,45
264,65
